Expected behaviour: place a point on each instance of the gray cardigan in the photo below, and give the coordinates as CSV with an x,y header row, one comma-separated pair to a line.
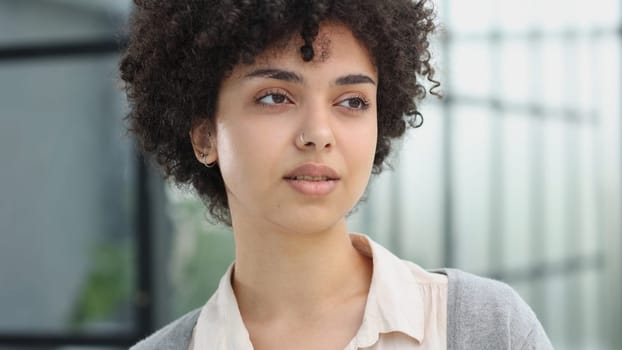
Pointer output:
x,y
482,314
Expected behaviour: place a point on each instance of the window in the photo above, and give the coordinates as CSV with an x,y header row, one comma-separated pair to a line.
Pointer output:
x,y
69,252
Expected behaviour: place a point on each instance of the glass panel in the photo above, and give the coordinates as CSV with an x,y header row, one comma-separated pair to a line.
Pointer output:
x,y
473,16
467,77
201,252
420,200
553,76
566,158
517,16
608,65
45,21
590,242
525,289
551,15
584,92
403,205
537,299
554,186
517,184
373,215
472,152
517,71
591,285
556,297
555,15
66,260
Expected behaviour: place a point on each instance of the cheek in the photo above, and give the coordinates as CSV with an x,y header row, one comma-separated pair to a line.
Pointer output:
x,y
369,144
360,146
365,141
232,154
373,139
243,149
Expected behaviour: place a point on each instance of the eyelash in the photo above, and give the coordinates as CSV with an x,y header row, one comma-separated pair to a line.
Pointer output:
x,y
363,101
272,93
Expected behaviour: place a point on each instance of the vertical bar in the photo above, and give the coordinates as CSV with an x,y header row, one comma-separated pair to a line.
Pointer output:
x,y
497,183
368,212
496,231
574,300
395,232
618,313
608,306
538,207
449,236
144,296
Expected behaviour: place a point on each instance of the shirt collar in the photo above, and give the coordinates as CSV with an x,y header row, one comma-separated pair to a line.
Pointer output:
x,y
394,304
220,324
236,334
395,299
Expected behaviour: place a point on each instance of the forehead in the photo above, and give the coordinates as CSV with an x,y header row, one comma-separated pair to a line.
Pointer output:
x,y
332,39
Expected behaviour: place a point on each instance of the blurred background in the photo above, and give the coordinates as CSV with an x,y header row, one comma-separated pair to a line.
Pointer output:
x,y
516,174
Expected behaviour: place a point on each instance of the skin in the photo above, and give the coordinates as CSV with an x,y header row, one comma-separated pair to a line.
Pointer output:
x,y
296,276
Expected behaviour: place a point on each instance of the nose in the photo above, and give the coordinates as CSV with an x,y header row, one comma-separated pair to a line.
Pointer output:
x,y
316,132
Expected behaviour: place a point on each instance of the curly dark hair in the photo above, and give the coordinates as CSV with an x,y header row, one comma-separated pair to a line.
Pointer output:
x,y
179,51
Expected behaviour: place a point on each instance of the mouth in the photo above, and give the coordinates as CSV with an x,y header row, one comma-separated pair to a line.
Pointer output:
x,y
313,179
309,178
312,172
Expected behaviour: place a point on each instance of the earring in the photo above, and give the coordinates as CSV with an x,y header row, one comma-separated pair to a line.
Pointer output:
x,y
207,165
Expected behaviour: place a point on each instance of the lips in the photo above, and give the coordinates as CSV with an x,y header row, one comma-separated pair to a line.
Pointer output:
x,y
313,172
309,178
313,179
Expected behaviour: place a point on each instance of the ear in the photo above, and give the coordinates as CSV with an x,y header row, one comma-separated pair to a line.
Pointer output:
x,y
203,142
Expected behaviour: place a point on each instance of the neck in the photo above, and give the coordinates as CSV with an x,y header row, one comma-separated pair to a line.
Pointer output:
x,y
290,275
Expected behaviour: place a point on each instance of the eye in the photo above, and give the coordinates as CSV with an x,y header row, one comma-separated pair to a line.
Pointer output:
x,y
355,103
273,98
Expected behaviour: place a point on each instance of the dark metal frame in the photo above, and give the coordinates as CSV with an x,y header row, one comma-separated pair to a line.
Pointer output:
x,y
61,49
144,304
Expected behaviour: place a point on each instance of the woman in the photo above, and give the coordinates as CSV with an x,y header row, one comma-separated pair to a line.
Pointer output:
x,y
277,112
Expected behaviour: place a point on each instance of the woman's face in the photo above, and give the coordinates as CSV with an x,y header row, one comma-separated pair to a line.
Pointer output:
x,y
295,140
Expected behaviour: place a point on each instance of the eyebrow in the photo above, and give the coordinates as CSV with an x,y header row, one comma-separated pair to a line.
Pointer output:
x,y
275,74
355,79
288,76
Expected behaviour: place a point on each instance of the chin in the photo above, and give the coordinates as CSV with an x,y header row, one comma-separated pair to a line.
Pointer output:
x,y
310,222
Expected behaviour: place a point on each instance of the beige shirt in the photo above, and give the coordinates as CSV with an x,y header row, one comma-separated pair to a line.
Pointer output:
x,y
406,309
